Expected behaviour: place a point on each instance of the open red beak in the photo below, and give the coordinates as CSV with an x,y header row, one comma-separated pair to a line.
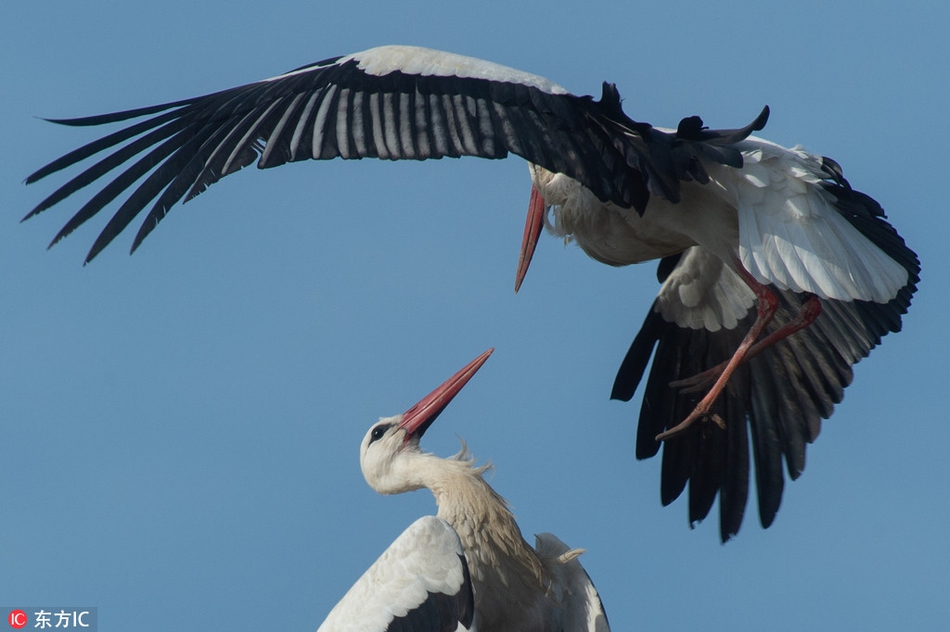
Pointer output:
x,y
417,419
532,230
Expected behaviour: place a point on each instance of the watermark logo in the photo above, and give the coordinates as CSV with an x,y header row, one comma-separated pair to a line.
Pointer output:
x,y
77,619
17,619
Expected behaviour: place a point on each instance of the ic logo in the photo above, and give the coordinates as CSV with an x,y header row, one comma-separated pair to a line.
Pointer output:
x,y
17,619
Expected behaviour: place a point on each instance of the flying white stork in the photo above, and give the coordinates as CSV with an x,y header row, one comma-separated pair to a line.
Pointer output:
x,y
755,241
427,578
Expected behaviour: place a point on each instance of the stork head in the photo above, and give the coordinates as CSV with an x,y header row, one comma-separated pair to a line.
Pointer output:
x,y
389,454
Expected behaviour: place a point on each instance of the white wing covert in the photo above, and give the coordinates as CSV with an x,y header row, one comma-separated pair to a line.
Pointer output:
x,y
792,236
704,293
420,583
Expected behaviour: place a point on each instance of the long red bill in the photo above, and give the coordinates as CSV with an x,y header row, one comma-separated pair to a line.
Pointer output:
x,y
532,230
417,419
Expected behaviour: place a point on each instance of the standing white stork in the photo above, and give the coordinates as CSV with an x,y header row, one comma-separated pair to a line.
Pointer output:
x,y
755,241
424,578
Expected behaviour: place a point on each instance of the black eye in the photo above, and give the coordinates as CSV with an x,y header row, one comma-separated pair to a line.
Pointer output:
x,y
378,432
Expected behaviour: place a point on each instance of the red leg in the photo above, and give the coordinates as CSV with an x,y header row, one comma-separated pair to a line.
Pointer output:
x,y
767,306
810,310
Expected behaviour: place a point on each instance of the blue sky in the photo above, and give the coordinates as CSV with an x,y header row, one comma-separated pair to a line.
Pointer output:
x,y
180,428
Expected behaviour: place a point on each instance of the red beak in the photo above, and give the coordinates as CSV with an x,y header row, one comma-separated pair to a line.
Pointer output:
x,y
417,419
532,230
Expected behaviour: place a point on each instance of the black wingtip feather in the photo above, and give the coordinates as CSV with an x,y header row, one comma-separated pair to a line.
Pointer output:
x,y
117,117
610,100
166,125
638,356
759,123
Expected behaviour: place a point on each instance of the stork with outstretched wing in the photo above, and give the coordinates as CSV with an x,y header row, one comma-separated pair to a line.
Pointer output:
x,y
777,275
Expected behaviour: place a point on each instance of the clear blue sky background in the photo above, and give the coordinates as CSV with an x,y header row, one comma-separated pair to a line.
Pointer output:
x,y
180,428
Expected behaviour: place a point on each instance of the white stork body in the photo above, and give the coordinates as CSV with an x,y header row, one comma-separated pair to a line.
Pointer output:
x,y
772,216
516,587
756,242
